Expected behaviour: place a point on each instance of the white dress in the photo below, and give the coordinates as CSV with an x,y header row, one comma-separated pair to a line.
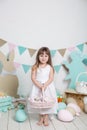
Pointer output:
x,y
42,76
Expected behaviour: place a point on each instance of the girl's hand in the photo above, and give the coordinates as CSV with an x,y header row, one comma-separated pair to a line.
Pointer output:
x,y
44,87
40,85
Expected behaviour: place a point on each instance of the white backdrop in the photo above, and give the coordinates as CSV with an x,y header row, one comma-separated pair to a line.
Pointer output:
x,y
52,23
35,23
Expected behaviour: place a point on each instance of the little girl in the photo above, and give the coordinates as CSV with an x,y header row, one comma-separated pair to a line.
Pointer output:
x,y
42,76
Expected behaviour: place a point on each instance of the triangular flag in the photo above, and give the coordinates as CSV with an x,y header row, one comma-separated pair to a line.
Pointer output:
x,y
21,49
11,46
2,42
31,52
53,52
71,49
57,67
62,51
17,65
80,47
26,67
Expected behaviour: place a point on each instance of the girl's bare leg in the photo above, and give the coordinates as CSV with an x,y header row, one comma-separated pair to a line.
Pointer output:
x,y
40,122
46,120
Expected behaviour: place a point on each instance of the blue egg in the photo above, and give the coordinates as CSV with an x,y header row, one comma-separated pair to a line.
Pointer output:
x,y
20,115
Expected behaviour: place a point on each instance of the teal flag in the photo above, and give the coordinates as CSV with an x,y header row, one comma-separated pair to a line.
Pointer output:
x,y
21,49
53,52
26,68
80,47
57,68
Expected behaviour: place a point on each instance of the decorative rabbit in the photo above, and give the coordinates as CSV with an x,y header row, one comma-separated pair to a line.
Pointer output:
x,y
8,78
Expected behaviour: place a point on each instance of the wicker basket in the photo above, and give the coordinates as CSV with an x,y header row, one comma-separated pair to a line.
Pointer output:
x,y
42,102
81,86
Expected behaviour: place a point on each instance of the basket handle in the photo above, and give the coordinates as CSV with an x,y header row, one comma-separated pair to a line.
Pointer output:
x,y
43,95
80,75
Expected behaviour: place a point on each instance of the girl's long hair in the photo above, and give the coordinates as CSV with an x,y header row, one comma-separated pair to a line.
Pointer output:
x,y
41,51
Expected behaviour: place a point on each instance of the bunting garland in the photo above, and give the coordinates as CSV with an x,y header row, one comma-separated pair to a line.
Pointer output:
x,y
27,67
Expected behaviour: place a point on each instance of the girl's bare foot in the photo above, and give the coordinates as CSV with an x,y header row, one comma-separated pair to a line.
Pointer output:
x,y
45,121
40,122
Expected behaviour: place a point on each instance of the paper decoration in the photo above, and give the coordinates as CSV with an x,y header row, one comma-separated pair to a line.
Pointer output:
x,y
82,77
14,78
71,49
26,68
75,67
31,52
7,61
8,78
80,47
85,61
57,68
62,51
52,52
2,42
21,49
17,65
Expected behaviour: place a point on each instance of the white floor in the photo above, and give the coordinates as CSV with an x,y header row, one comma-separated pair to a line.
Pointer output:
x,y
7,122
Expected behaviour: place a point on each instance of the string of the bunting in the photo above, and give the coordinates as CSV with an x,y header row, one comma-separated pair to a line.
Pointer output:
x,y
31,51
26,68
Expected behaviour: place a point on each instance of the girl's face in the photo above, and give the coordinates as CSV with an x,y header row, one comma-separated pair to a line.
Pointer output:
x,y
43,58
